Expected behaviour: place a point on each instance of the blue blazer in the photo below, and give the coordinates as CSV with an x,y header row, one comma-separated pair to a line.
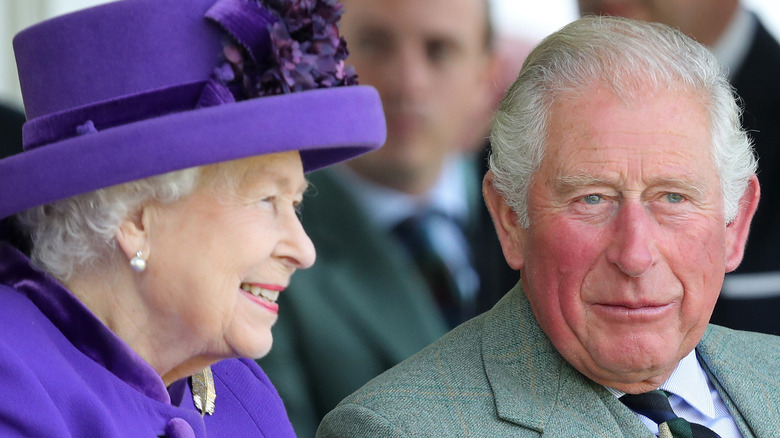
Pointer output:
x,y
499,375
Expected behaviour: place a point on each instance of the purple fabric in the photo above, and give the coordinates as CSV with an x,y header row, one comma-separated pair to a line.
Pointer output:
x,y
247,22
179,428
327,126
104,115
63,63
70,75
65,374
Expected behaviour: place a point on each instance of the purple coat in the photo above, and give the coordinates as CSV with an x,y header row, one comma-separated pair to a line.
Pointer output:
x,y
65,374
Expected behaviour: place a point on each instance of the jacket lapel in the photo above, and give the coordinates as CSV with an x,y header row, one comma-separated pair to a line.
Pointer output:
x,y
536,389
746,377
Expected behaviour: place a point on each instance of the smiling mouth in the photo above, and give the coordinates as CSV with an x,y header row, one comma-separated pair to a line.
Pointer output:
x,y
266,294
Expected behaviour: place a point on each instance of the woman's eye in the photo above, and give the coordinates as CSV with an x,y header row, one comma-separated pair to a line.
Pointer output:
x,y
674,198
592,199
267,201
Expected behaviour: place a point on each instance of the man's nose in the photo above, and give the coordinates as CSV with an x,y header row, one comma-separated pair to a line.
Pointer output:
x,y
633,248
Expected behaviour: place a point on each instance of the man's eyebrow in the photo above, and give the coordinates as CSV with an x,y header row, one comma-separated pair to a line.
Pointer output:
x,y
570,183
682,184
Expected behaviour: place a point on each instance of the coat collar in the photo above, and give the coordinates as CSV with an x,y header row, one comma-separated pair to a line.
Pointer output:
x,y
534,387
733,363
80,326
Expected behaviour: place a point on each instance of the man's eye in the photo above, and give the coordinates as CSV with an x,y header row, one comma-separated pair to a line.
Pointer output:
x,y
592,199
675,198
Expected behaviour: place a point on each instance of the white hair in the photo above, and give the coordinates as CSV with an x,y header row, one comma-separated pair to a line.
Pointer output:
x,y
80,231
628,57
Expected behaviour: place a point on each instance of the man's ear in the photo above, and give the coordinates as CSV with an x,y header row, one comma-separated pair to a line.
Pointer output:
x,y
737,230
133,233
510,233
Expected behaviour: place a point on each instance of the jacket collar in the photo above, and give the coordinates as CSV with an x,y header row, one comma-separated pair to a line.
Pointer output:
x,y
534,386
80,326
746,377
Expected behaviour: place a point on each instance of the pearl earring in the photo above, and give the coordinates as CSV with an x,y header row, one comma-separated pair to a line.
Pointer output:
x,y
137,263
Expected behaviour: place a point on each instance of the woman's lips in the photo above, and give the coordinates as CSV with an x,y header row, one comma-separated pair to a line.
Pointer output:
x,y
263,294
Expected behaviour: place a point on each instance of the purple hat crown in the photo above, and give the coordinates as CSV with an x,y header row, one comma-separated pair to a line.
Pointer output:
x,y
279,47
135,88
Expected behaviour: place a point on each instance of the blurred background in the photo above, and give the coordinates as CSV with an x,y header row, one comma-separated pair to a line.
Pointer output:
x,y
527,19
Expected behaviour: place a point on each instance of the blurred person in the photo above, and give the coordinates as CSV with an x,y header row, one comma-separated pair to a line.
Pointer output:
x,y
622,187
750,299
406,247
11,121
160,183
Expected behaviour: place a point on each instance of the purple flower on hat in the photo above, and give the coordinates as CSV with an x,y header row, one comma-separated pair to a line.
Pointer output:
x,y
281,46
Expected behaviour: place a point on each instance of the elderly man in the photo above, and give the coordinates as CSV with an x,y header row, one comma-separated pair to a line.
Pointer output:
x,y
622,188
750,298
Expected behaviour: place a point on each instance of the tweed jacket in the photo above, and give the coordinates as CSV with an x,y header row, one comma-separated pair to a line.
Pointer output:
x,y
65,374
499,375
363,307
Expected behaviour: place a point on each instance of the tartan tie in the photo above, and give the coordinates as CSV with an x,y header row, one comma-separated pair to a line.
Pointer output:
x,y
448,274
655,406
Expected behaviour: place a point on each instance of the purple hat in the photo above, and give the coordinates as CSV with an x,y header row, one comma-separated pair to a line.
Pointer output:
x,y
137,88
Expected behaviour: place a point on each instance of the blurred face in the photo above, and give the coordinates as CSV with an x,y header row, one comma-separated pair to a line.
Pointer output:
x,y
627,211
219,258
429,61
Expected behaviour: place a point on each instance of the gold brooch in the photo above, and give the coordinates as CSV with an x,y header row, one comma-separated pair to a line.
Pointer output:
x,y
203,392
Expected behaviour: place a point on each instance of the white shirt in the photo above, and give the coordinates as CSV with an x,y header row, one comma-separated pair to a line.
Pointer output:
x,y
695,399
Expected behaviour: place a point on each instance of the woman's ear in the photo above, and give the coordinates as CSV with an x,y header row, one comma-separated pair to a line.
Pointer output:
x,y
133,233
510,233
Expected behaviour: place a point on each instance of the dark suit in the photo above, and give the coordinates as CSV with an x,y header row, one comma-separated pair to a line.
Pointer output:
x,y
363,307
499,375
758,84
11,121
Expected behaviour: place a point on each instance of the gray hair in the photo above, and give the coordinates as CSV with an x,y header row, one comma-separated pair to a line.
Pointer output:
x,y
623,55
80,231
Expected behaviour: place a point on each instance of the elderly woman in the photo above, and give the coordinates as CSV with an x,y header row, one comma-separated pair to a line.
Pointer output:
x,y
164,162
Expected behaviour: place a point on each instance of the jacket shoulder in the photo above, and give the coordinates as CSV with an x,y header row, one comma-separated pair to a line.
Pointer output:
x,y
441,391
743,346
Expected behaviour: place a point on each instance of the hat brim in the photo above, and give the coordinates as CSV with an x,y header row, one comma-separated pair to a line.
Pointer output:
x,y
326,125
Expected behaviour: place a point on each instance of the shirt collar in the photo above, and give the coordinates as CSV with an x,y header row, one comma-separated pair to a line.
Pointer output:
x,y
689,382
733,45
387,207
